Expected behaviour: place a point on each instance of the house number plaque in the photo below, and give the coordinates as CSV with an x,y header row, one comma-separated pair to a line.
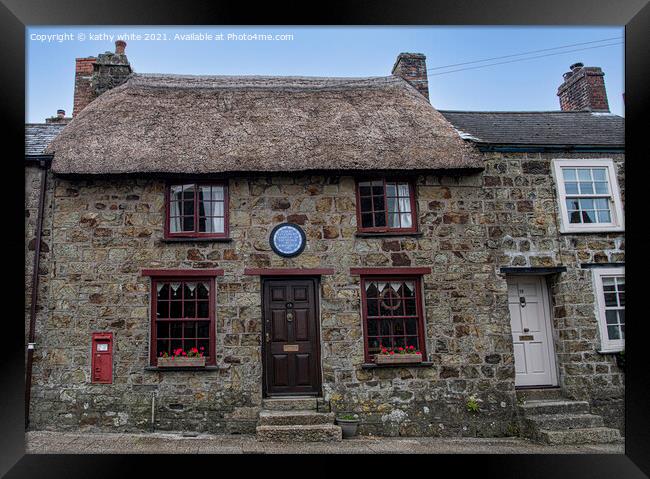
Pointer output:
x,y
290,348
288,240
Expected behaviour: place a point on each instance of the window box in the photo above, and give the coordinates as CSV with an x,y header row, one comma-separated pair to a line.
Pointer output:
x,y
180,362
398,358
196,210
588,195
386,206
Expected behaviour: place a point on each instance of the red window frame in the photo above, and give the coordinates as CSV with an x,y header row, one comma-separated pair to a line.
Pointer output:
x,y
197,234
421,338
386,229
211,355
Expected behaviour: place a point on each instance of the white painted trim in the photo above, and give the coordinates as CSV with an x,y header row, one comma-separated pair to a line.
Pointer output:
x,y
617,208
550,337
606,345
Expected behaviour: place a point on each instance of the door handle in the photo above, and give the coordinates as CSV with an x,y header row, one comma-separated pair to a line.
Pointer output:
x,y
268,338
526,330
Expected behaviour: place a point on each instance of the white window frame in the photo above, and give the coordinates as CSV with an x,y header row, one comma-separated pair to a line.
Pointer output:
x,y
606,345
616,207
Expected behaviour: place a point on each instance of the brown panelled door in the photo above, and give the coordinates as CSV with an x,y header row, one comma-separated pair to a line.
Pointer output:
x,y
291,337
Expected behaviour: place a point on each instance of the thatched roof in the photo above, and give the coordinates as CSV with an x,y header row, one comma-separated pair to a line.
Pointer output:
x,y
219,124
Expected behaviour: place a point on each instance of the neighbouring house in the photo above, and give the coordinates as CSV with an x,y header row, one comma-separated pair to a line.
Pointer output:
x,y
292,231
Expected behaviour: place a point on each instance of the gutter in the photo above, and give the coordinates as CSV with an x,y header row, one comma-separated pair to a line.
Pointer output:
x,y
44,163
513,148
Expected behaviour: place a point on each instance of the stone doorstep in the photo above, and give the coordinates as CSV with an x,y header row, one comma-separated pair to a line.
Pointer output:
x,y
538,394
555,407
564,421
300,433
290,404
592,435
286,418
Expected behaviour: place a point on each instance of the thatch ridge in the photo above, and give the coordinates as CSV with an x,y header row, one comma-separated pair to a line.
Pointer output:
x,y
217,124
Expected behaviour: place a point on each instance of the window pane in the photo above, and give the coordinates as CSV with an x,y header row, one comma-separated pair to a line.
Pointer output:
x,y
403,189
366,220
371,289
175,329
391,189
412,341
406,220
373,308
364,188
574,217
604,216
569,174
405,205
601,188
571,188
572,204
410,307
162,309
411,326
586,204
187,223
190,329
613,332
202,290
589,216
190,309
378,188
599,174
621,316
621,298
380,219
190,290
609,284
175,309
393,220
162,346
379,203
163,290
586,188
392,204
176,291
584,174
203,310
373,329
162,329
366,204
610,300
212,224
202,329
611,317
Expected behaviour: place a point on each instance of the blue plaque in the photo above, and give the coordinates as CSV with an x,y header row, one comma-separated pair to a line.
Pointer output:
x,y
288,240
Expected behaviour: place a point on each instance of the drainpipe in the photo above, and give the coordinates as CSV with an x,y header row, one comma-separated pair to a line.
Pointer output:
x,y
44,164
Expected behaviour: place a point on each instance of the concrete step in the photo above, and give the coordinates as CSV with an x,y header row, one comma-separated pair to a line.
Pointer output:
x,y
289,404
591,435
300,433
286,418
541,394
554,407
558,422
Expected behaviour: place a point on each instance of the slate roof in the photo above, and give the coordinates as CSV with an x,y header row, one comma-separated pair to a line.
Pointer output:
x,y
544,128
162,123
39,135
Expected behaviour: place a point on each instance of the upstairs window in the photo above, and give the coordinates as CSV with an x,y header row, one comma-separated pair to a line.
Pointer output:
x,y
385,206
588,195
197,210
392,312
609,285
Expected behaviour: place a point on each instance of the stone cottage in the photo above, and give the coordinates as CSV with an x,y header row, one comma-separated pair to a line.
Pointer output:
x,y
289,233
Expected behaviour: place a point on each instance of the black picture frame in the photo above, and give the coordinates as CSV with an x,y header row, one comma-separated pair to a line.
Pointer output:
x,y
634,14
303,237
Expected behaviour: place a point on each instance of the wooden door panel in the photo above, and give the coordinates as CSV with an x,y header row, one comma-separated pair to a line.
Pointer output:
x,y
292,345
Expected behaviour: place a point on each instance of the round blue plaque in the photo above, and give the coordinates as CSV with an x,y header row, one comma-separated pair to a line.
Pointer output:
x,y
288,239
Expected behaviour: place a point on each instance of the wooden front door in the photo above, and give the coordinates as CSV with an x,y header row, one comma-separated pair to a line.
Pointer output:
x,y
532,338
291,338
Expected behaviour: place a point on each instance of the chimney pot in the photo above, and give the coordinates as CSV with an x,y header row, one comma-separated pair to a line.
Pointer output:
x,y
120,46
576,66
60,113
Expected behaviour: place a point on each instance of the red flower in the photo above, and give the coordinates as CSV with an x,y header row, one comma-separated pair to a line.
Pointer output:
x,y
201,348
418,352
401,348
392,352
184,353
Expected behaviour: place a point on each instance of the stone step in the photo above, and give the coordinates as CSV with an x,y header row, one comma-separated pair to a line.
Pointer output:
x,y
554,407
563,421
591,435
540,394
300,433
285,418
290,404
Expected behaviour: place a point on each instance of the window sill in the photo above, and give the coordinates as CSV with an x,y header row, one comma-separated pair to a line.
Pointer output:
x,y
388,234
613,229
611,351
423,364
195,240
183,368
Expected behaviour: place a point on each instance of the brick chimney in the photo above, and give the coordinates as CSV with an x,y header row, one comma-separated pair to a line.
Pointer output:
x,y
583,89
83,93
59,118
412,67
95,75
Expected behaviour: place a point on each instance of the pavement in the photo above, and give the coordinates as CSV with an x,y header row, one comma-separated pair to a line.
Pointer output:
x,y
49,442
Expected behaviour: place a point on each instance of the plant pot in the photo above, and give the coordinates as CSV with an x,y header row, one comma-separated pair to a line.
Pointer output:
x,y
180,362
349,427
398,358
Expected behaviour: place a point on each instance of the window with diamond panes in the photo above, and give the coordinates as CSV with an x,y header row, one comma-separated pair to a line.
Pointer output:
x,y
392,314
183,317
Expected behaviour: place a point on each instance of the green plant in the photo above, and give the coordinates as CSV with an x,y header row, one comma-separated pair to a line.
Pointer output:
x,y
472,404
348,416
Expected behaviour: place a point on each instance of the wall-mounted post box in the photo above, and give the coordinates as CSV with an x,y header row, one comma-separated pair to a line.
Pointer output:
x,y
102,358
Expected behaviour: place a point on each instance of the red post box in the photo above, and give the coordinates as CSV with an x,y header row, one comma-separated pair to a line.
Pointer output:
x,y
102,358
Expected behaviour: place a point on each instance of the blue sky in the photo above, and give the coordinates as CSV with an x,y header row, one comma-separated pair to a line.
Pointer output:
x,y
343,52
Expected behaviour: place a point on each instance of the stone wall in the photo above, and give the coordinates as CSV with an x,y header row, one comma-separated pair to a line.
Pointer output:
x,y
107,231
524,226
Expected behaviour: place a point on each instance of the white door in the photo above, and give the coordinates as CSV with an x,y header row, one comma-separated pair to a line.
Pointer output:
x,y
531,331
